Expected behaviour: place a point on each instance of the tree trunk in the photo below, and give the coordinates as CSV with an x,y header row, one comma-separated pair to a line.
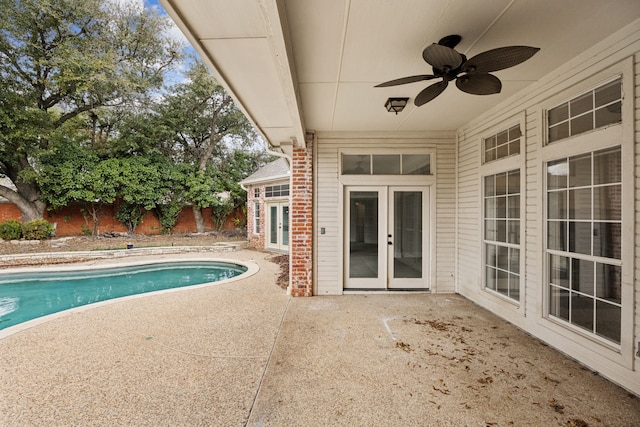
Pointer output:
x,y
199,219
29,209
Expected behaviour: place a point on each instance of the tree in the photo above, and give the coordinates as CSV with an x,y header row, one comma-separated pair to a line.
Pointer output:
x,y
61,59
71,174
213,121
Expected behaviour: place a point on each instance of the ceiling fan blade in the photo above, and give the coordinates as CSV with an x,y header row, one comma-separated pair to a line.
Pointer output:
x,y
450,41
430,93
499,59
442,57
479,84
405,80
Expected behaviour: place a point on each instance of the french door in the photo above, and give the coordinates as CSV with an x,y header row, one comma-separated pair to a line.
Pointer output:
x,y
386,237
278,226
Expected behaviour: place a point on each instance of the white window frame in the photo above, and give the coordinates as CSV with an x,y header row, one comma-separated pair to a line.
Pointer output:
x,y
619,134
256,218
494,167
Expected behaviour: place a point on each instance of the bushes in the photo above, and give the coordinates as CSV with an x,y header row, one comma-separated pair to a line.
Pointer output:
x,y
38,229
10,230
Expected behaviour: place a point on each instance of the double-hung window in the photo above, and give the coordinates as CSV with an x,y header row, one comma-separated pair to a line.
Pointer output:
x,y
501,213
584,205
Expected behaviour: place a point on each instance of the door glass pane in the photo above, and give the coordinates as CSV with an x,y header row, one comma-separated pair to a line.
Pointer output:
x,y
285,225
273,225
363,234
407,237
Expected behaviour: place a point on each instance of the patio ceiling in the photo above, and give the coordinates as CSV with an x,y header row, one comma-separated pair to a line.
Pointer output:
x,y
297,65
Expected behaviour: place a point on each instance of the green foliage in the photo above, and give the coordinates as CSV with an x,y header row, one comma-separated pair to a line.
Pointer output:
x,y
10,230
61,61
130,214
167,214
221,212
38,229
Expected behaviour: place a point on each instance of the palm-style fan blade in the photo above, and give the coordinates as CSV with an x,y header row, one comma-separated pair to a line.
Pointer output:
x,y
430,93
442,57
479,84
450,41
499,59
405,80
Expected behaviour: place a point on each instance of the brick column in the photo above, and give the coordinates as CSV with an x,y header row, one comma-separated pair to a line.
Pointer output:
x,y
301,222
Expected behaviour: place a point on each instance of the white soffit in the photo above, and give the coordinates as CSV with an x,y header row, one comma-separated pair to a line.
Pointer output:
x,y
243,43
292,63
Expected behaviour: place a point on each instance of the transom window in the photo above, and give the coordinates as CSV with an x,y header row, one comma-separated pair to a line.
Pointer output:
x,y
502,233
597,108
503,144
276,190
584,241
386,164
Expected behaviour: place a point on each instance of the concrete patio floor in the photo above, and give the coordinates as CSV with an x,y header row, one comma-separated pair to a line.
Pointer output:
x,y
244,353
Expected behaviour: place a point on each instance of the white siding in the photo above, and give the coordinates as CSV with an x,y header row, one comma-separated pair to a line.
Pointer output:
x,y
620,52
329,209
636,275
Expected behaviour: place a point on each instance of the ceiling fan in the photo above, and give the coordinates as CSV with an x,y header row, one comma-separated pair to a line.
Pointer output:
x,y
471,75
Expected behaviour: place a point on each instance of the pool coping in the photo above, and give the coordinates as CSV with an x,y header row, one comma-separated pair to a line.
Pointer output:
x,y
252,269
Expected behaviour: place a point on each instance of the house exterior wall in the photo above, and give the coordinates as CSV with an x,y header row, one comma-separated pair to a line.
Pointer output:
x,y
616,56
329,202
257,240
301,222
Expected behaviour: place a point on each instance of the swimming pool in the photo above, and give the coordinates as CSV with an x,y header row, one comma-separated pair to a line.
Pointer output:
x,y
30,295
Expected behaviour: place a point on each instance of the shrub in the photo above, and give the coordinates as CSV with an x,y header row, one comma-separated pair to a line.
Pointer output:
x,y
10,230
38,229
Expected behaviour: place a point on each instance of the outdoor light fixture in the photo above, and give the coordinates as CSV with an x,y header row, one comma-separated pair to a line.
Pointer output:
x,y
395,104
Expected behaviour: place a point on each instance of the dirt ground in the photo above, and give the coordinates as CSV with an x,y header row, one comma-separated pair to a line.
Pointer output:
x,y
115,242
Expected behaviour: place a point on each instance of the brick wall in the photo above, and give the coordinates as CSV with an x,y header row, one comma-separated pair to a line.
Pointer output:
x,y
301,244
70,222
256,240
9,211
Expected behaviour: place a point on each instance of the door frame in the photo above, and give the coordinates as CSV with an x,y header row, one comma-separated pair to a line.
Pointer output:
x,y
385,257
279,245
425,281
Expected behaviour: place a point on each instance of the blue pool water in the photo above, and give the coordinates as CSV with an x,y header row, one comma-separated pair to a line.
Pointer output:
x,y
26,296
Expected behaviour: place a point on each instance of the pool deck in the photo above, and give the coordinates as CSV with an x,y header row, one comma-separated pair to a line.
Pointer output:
x,y
244,353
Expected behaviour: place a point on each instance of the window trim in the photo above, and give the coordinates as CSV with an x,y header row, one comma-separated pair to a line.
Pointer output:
x,y
281,189
619,134
505,164
256,218
387,179
575,96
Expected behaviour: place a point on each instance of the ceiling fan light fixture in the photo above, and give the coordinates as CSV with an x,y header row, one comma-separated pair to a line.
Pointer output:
x,y
396,105
471,75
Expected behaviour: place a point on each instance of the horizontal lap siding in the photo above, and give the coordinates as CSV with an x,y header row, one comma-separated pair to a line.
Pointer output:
x,y
637,200
328,217
445,217
468,215
568,80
